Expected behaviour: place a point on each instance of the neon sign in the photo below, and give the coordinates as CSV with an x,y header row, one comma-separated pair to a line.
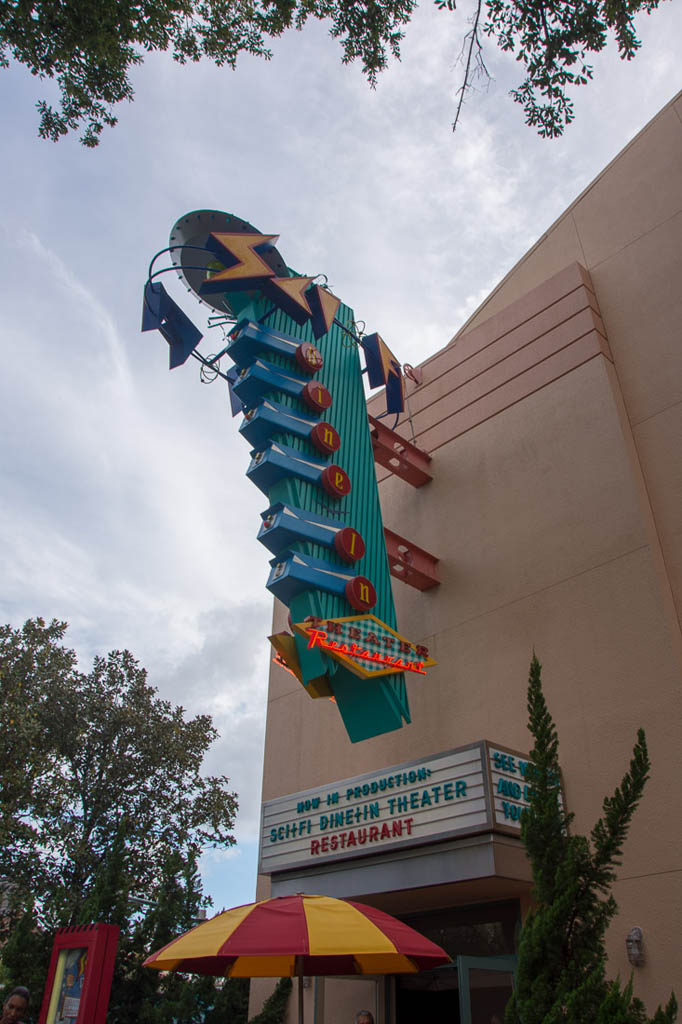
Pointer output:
x,y
298,382
361,643
318,638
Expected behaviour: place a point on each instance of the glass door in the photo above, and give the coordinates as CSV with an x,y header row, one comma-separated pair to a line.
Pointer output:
x,y
485,985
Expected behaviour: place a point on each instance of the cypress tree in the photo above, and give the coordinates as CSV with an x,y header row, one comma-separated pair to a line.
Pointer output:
x,y
561,976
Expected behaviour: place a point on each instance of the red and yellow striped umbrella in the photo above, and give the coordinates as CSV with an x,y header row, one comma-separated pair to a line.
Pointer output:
x,y
300,935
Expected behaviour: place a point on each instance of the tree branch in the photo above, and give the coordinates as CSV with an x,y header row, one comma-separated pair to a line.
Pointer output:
x,y
474,44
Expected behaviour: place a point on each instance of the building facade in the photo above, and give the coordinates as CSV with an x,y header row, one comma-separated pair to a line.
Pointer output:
x,y
554,424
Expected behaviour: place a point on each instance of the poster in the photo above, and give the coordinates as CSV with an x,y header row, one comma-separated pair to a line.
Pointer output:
x,y
68,989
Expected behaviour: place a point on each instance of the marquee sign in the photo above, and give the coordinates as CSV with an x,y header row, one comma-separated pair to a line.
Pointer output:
x,y
297,381
509,787
460,792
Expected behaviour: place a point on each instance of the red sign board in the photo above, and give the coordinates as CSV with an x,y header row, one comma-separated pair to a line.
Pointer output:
x,y
80,974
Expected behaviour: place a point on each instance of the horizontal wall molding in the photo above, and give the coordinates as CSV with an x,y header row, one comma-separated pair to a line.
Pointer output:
x,y
537,339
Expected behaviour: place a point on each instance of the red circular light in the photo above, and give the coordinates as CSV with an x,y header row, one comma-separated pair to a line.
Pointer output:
x,y
309,358
335,481
349,544
325,438
316,396
360,594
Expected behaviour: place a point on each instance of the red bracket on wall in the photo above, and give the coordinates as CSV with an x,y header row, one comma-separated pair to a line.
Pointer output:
x,y
398,456
409,563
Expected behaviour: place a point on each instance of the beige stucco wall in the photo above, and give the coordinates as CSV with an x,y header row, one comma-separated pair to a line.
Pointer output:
x,y
626,229
556,518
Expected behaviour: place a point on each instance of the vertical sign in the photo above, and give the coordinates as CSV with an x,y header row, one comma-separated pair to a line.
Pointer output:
x,y
299,383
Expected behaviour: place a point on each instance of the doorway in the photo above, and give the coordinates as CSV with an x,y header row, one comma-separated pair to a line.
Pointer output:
x,y
473,990
475,987
485,985
432,996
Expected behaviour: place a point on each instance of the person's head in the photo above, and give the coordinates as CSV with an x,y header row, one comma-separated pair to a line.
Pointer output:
x,y
15,1006
364,1017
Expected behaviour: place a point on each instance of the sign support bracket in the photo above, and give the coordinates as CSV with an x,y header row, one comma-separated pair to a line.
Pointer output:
x,y
399,456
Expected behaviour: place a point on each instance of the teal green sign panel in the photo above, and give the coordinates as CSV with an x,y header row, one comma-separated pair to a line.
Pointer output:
x,y
367,707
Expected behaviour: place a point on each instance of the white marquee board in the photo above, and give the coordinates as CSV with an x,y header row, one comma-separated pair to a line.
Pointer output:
x,y
459,792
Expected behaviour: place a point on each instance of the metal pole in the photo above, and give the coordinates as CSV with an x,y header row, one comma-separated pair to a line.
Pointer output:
x,y
299,973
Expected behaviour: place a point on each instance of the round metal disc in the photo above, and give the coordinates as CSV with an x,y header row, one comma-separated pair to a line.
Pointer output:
x,y
194,229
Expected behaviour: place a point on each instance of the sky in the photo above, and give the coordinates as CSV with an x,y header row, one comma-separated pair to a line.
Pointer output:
x,y
124,508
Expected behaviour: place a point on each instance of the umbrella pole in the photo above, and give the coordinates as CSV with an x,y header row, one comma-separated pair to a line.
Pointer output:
x,y
299,975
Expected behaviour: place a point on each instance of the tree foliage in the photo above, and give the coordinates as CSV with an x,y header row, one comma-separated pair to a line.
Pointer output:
x,y
89,47
104,812
31,664
561,973
275,1005
552,40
